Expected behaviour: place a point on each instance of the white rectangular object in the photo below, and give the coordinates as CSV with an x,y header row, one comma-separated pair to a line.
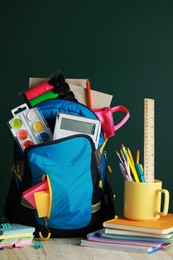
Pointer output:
x,y
149,140
68,125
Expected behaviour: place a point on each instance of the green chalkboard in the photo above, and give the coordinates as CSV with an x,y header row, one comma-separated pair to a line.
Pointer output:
x,y
123,47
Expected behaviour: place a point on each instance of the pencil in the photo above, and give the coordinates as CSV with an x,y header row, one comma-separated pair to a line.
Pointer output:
x,y
119,157
137,156
128,168
123,171
124,149
126,165
89,98
134,172
130,156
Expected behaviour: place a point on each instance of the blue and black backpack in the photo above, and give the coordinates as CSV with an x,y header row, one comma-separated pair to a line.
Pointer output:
x,y
81,196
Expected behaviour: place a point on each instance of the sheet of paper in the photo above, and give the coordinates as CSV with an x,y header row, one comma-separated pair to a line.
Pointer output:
x,y
42,200
29,194
78,86
78,82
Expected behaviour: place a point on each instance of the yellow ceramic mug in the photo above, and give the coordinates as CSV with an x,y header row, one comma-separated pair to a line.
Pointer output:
x,y
142,200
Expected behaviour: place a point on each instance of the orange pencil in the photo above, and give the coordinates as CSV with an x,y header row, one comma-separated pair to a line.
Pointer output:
x,y
88,89
137,156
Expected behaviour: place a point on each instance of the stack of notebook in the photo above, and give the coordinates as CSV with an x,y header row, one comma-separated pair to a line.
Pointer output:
x,y
133,236
16,235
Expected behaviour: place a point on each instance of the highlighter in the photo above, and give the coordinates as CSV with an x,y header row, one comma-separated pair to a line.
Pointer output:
x,y
60,91
38,90
45,96
52,84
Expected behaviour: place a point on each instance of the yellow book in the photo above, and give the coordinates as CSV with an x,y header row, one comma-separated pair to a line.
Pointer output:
x,y
164,225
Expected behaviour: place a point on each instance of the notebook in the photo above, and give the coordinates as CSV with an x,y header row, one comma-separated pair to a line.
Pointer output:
x,y
17,242
138,238
164,225
17,236
94,239
128,248
16,230
118,232
98,237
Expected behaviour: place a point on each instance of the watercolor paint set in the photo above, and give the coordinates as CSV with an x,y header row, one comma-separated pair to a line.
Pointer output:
x,y
28,126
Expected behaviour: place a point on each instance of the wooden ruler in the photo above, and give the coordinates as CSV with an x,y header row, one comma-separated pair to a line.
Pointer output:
x,y
149,149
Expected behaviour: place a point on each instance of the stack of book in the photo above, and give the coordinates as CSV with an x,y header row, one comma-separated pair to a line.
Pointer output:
x,y
132,236
16,235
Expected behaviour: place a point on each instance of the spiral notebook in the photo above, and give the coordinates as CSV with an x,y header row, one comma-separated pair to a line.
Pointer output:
x,y
96,240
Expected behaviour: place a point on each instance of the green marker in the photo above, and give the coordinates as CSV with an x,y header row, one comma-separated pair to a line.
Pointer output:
x,y
48,95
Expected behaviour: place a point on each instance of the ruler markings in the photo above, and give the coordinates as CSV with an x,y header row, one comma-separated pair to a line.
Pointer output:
x,y
149,149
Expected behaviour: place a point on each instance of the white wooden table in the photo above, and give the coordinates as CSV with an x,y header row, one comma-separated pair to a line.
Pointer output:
x,y
70,249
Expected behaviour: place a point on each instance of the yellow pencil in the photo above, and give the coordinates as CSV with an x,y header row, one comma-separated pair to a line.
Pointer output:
x,y
130,156
128,168
124,149
134,172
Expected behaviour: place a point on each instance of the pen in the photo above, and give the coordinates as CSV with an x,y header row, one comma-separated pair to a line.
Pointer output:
x,y
140,172
88,89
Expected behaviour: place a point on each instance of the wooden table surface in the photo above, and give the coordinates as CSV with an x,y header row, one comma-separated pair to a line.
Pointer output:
x,y
70,249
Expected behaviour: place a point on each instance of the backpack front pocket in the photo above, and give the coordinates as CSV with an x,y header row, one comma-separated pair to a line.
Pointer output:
x,y
72,171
